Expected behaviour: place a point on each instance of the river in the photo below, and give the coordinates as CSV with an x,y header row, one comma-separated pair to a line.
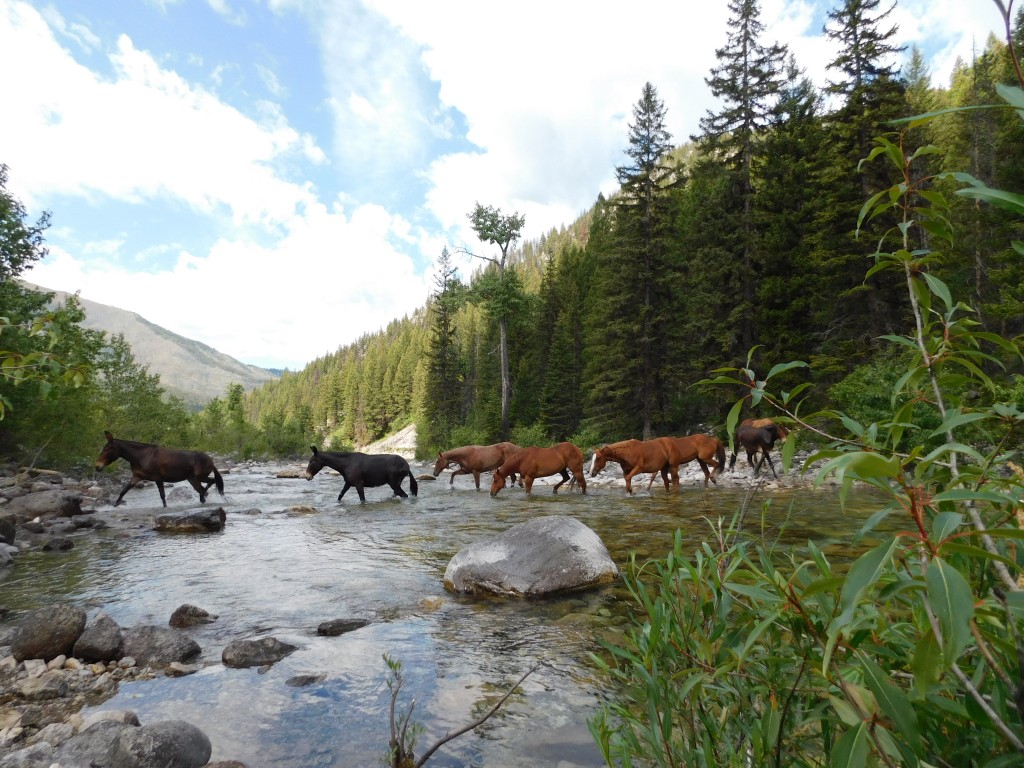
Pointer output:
x,y
277,571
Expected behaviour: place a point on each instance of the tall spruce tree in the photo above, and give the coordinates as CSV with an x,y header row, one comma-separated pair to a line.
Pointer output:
x,y
444,380
643,220
867,94
747,80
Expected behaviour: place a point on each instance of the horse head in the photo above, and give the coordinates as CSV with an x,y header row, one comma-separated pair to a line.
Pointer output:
x,y
598,461
109,454
316,463
441,464
497,481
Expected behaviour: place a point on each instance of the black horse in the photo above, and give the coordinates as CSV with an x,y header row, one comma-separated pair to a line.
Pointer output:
x,y
364,470
758,437
159,464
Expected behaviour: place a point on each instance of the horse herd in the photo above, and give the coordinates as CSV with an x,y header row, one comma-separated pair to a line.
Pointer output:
x,y
507,461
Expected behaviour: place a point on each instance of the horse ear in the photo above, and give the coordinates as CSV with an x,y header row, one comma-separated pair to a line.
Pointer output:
x,y
110,437
314,449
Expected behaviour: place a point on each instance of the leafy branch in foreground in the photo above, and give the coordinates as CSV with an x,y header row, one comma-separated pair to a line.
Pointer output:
x,y
405,731
914,654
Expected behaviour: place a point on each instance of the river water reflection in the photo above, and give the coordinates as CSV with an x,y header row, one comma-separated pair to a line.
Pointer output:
x,y
281,573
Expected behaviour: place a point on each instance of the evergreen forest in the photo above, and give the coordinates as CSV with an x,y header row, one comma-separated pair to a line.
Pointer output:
x,y
742,236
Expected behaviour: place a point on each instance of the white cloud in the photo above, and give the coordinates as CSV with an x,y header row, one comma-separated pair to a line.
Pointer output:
x,y
143,134
333,277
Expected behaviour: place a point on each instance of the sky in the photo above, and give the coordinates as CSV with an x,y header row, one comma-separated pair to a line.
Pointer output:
x,y
276,178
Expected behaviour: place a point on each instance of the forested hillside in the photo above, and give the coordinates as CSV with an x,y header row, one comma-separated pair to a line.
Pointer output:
x,y
739,237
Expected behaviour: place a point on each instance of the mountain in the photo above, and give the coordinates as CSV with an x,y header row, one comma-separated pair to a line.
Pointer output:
x,y
187,368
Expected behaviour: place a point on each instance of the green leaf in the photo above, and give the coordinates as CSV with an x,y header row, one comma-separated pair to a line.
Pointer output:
x,y
730,424
939,288
954,419
950,598
893,702
926,665
945,523
865,571
852,749
782,367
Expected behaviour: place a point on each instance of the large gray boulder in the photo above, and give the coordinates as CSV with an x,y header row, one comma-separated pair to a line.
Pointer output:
x,y
168,744
48,632
155,646
255,653
102,640
192,521
542,556
55,503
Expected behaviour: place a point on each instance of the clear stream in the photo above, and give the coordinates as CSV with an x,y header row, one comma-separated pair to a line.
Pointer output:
x,y
281,573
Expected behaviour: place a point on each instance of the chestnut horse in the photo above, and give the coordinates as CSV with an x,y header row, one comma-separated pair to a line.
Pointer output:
x,y
474,459
636,456
758,436
161,465
706,449
534,462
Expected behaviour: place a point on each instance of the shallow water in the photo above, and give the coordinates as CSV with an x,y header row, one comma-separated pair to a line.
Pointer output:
x,y
273,572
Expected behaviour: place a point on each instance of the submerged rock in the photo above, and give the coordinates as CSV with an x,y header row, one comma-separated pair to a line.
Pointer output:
x,y
256,653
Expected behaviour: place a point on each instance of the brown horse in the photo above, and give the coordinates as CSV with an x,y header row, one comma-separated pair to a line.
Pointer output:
x,y
474,459
534,462
636,456
706,449
758,436
152,462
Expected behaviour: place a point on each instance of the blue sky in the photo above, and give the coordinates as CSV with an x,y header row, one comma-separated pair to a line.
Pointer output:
x,y
276,178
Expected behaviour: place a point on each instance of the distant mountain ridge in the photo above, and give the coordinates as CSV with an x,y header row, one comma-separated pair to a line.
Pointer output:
x,y
193,371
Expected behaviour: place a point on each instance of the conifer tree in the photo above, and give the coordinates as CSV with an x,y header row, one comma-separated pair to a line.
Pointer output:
x,y
444,380
642,248
747,80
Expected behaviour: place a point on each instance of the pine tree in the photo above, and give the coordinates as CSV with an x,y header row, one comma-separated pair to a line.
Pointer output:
x,y
444,380
747,81
642,248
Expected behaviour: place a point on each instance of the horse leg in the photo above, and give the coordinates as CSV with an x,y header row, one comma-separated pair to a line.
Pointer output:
x,y
707,473
565,478
131,484
476,479
528,484
629,479
347,486
767,457
160,487
581,478
460,471
396,486
359,490
198,485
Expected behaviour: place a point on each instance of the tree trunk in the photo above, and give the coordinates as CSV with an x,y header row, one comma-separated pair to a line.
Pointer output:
x,y
506,381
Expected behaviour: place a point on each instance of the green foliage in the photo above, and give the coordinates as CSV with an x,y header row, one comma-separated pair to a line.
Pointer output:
x,y
530,435
743,655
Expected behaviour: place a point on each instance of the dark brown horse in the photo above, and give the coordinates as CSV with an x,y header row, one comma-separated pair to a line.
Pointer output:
x,y
161,465
364,470
474,459
758,436
636,456
534,462
705,449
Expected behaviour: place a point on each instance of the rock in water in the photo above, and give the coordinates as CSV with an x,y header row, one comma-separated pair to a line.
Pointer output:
x,y
542,556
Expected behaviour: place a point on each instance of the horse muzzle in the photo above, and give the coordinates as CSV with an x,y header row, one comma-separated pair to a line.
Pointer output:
x,y
308,475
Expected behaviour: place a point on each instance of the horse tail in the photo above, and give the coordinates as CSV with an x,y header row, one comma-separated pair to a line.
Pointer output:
x,y
413,485
219,481
720,457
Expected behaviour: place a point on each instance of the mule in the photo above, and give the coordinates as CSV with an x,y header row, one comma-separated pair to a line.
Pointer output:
x,y
161,465
533,462
635,456
474,459
363,470
758,436
707,450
